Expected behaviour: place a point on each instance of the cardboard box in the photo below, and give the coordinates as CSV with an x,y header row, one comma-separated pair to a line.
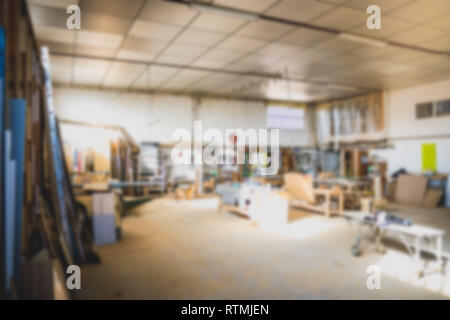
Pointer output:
x,y
411,189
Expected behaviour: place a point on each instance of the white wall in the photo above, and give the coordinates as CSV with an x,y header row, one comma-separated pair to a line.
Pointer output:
x,y
154,117
145,117
223,114
408,133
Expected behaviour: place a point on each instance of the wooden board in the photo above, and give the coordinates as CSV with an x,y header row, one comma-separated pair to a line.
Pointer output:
x,y
411,189
236,210
432,197
300,187
45,278
38,277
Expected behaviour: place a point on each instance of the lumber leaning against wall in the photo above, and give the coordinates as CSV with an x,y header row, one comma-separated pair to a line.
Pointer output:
x,y
17,122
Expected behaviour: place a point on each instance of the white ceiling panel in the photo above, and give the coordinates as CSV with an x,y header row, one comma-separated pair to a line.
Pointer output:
x,y
337,45
217,23
105,23
182,79
247,5
89,71
400,56
143,82
441,43
174,59
95,51
385,5
145,45
48,16
122,74
418,35
52,34
241,44
153,77
167,13
367,51
209,63
311,54
222,55
422,10
202,38
58,47
341,18
99,39
212,81
305,37
184,50
299,10
278,50
257,60
135,55
389,28
264,30
241,67
334,1
153,30
161,73
442,23
173,35
119,8
60,69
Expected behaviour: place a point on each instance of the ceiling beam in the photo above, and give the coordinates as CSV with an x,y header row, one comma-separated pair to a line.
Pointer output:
x,y
274,76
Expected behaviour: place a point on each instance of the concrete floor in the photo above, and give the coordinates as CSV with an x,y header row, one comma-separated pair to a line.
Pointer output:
x,y
171,250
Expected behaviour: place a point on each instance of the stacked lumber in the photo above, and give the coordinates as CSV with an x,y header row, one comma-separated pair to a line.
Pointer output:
x,y
416,190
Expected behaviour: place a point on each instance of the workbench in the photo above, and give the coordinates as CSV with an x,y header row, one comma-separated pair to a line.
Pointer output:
x,y
353,189
415,238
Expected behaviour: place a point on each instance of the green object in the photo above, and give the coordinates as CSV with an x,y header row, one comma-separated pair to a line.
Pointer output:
x,y
131,202
429,157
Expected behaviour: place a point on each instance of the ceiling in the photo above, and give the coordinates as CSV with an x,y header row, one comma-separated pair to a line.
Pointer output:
x,y
165,46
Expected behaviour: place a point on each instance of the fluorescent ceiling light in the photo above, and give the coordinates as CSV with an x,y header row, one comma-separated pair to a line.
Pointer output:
x,y
365,40
223,10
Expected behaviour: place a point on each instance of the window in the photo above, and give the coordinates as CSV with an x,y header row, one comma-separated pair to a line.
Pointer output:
x,y
285,118
442,108
424,110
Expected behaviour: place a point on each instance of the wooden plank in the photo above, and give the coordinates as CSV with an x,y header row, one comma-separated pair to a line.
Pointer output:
x,y
46,226
57,173
432,197
236,210
39,279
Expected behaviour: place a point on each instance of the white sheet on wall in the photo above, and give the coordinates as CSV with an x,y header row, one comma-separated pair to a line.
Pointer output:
x,y
285,118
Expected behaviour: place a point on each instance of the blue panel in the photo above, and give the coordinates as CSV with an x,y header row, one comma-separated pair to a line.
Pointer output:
x,y
2,108
104,229
10,174
17,123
